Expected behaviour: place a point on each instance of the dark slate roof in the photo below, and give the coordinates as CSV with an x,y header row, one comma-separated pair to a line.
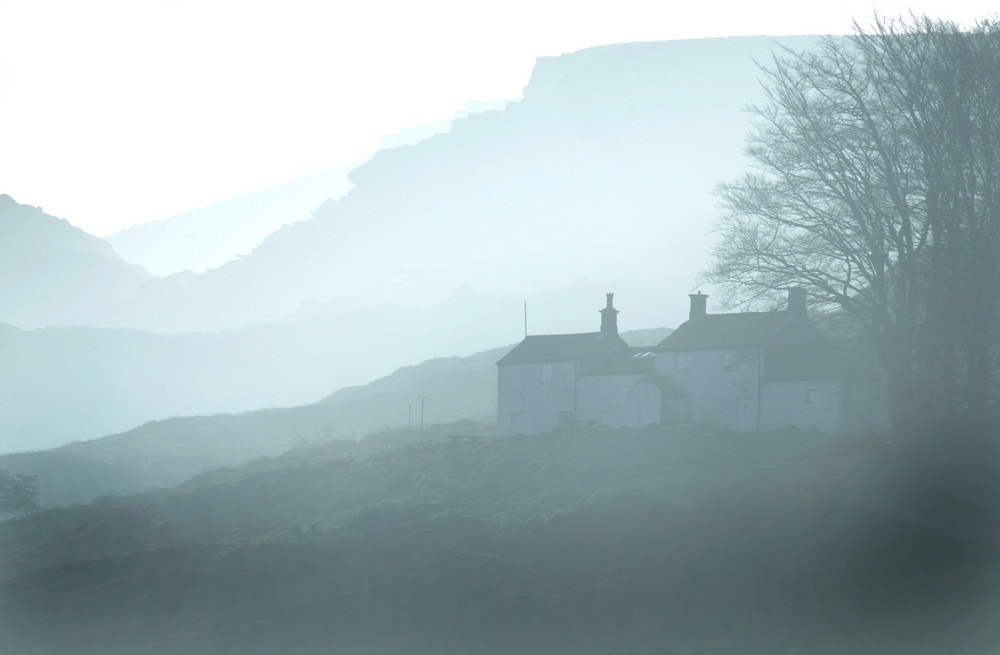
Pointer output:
x,y
794,348
743,330
587,348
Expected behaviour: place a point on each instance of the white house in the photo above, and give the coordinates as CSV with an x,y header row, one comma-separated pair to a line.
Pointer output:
x,y
744,371
537,383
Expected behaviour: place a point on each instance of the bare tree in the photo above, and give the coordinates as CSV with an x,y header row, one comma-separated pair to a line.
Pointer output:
x,y
876,187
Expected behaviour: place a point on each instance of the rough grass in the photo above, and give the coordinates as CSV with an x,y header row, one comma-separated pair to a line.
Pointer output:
x,y
595,541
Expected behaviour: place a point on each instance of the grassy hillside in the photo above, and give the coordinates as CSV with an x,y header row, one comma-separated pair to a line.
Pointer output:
x,y
164,453
596,541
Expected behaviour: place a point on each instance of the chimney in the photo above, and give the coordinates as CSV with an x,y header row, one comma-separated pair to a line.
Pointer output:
x,y
698,303
609,317
797,301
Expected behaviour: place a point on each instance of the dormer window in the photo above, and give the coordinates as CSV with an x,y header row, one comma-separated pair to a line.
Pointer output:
x,y
682,362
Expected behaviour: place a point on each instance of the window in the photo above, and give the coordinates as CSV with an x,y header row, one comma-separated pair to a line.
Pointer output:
x,y
545,374
732,360
682,362
812,396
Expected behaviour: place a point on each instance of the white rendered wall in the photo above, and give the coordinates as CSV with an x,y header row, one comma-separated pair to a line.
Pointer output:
x,y
721,387
618,400
535,398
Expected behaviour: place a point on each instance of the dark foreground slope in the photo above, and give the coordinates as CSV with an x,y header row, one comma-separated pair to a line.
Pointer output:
x,y
583,542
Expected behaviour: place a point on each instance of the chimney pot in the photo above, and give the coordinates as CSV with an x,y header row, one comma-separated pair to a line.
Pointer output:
x,y
699,302
797,301
609,317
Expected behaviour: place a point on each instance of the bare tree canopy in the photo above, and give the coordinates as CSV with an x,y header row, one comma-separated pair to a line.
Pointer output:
x,y
876,186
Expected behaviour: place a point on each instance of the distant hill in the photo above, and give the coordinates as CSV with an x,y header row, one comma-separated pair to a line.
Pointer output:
x,y
165,452
598,180
603,171
211,236
64,384
54,273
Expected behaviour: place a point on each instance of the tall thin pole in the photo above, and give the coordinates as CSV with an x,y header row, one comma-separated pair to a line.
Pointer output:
x,y
422,398
525,319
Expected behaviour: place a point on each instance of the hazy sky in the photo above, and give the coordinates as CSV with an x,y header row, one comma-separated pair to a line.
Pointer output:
x,y
117,112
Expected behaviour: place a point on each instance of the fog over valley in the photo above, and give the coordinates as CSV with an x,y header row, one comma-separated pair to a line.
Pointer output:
x,y
690,347
599,179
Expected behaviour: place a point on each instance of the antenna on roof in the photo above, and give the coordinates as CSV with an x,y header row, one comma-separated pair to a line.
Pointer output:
x,y
525,319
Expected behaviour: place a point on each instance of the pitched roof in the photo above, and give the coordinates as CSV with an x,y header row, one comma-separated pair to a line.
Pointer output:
x,y
743,330
794,348
587,347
